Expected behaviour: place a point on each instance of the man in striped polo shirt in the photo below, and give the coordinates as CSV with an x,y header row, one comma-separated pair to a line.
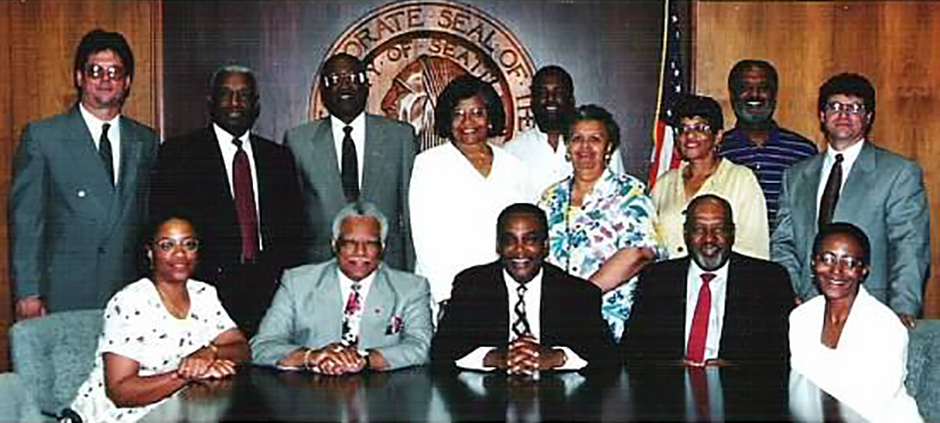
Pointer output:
x,y
756,141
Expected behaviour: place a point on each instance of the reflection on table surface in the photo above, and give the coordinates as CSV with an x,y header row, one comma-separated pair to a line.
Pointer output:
x,y
652,392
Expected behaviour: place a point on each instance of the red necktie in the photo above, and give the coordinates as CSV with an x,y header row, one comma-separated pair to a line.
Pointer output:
x,y
245,203
699,332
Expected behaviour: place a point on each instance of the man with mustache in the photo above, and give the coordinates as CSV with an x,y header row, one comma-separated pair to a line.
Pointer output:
x,y
756,141
520,314
712,306
352,155
542,149
240,190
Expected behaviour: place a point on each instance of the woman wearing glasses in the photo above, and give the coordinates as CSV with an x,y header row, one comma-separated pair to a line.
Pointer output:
x,y
845,341
704,172
160,334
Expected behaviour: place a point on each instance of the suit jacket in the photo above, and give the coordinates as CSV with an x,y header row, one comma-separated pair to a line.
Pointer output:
x,y
75,237
388,158
191,177
758,301
478,315
307,311
884,196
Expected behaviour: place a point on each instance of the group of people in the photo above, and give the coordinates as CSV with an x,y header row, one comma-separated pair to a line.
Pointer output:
x,y
344,249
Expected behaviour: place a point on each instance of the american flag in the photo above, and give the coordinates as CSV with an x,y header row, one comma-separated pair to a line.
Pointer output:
x,y
671,85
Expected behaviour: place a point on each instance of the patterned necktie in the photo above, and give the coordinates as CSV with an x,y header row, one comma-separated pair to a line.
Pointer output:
x,y
699,332
827,205
104,150
351,315
245,203
350,170
520,326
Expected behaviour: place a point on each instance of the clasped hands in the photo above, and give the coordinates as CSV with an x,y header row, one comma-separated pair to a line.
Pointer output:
x,y
204,364
332,359
525,356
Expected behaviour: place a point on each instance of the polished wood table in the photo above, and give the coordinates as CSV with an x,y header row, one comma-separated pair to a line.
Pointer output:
x,y
663,391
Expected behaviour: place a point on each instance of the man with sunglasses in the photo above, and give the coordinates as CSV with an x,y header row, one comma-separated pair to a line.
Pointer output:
x,y
351,155
856,182
80,185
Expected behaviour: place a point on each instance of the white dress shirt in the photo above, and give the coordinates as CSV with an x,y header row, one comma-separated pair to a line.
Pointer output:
x,y
95,126
547,166
716,315
228,150
533,305
848,160
358,135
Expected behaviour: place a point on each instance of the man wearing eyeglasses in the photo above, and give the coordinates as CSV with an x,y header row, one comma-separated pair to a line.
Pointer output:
x,y
856,182
80,184
242,194
351,313
353,155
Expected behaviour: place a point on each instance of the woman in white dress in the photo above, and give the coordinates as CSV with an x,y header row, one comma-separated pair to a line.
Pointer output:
x,y
458,188
161,334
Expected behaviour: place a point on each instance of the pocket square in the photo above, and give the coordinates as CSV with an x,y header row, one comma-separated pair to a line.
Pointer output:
x,y
395,325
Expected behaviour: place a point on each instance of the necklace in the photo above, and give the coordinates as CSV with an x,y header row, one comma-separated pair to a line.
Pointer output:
x,y
168,305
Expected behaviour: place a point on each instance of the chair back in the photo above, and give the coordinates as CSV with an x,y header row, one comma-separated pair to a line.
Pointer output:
x,y
923,368
55,354
17,404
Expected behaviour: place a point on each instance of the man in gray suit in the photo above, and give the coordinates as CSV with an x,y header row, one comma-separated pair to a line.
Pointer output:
x,y
352,155
854,181
351,312
80,184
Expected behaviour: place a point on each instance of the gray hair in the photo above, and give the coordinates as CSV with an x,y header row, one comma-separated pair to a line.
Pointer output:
x,y
232,69
360,209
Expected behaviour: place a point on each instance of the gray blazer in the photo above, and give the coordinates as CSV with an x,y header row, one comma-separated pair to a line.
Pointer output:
x,y
884,196
389,157
307,311
75,238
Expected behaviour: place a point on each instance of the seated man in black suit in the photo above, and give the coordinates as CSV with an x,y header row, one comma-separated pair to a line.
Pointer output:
x,y
740,315
520,314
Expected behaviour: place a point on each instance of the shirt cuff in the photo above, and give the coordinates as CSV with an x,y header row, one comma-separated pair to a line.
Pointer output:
x,y
474,360
574,361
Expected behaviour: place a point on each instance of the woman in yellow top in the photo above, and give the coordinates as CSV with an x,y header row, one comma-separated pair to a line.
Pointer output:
x,y
704,172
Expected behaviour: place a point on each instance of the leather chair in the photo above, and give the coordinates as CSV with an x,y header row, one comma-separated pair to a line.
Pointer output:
x,y
55,354
923,368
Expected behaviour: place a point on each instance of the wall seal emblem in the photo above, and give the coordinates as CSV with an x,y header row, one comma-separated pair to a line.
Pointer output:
x,y
413,49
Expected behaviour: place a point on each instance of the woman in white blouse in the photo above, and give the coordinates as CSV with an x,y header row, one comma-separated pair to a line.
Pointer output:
x,y
459,188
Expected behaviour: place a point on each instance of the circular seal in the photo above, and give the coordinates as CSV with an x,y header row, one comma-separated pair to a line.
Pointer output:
x,y
414,49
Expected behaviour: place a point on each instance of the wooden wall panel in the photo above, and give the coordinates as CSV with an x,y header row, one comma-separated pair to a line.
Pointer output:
x,y
37,47
892,43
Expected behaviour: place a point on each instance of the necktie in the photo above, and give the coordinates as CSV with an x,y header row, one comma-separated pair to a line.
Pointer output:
x,y
520,326
827,205
351,316
104,150
699,332
350,170
245,203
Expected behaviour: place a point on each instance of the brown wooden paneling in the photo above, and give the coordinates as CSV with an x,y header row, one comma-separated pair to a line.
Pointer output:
x,y
892,43
37,47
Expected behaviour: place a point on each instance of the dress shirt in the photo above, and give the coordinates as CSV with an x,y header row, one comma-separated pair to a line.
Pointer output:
x,y
358,136
848,159
533,306
716,316
95,126
547,166
345,288
228,150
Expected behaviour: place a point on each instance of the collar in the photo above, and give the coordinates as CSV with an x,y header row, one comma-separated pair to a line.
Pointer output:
x,y
91,119
365,283
225,137
358,124
849,154
721,274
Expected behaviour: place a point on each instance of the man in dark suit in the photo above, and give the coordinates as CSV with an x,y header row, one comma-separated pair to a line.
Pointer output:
x,y
742,302
248,222
80,185
520,314
353,155
879,191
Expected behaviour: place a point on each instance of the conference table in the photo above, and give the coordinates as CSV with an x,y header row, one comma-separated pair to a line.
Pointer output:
x,y
652,391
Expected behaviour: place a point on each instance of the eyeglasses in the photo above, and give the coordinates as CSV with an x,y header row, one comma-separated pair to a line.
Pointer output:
x,y
834,107
830,259
700,231
167,245
470,112
98,72
351,245
334,79
696,128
